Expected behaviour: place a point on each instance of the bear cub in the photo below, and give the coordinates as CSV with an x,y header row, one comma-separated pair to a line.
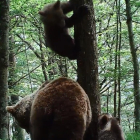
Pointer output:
x,y
56,25
109,128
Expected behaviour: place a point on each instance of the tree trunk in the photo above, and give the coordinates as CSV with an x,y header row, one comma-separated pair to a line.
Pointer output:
x,y
43,64
116,62
119,63
18,131
4,43
62,65
85,36
135,66
119,75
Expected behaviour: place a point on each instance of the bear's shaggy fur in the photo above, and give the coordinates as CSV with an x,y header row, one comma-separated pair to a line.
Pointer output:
x,y
56,25
109,128
21,110
60,111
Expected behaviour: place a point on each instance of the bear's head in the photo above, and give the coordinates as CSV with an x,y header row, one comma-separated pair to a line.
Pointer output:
x,y
110,128
21,111
52,14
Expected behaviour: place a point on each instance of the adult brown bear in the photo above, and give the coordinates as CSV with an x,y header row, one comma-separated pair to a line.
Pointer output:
x,y
60,111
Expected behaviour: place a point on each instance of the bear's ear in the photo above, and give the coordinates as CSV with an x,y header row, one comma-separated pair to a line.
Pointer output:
x,y
10,109
104,120
41,13
57,5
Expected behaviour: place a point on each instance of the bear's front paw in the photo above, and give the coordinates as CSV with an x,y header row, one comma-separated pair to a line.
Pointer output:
x,y
84,10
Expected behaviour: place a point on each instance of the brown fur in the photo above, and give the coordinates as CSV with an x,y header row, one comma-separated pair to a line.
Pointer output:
x,y
21,110
56,26
109,128
60,111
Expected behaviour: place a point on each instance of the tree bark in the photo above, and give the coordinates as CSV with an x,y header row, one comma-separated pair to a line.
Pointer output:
x,y
135,66
116,61
4,44
43,64
85,36
18,133
119,63
62,65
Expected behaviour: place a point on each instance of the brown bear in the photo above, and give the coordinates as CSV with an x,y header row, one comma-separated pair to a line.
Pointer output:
x,y
109,128
21,110
56,25
60,110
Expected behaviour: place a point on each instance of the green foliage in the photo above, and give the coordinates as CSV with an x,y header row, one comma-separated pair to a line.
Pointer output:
x,y
133,136
106,13
28,45
28,34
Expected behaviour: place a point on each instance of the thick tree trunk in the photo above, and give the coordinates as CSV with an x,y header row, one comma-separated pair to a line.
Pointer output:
x,y
135,66
18,132
4,35
85,36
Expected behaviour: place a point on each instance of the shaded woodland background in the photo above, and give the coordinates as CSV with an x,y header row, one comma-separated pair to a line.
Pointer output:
x,y
118,35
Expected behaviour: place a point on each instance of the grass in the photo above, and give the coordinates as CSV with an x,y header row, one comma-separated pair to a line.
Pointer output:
x,y
132,136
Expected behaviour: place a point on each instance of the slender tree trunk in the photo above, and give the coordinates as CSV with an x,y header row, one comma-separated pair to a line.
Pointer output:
x,y
52,71
119,77
119,64
63,67
4,44
43,64
85,36
116,63
107,99
135,66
